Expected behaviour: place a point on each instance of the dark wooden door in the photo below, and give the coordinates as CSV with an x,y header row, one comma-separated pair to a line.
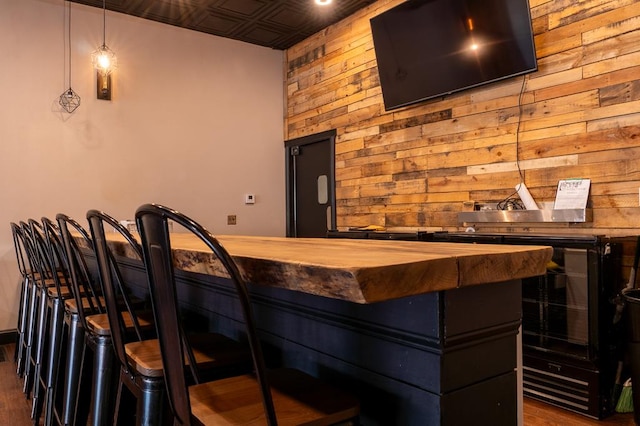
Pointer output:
x,y
311,185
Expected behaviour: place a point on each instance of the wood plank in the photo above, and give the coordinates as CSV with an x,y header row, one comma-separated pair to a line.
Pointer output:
x,y
621,122
563,132
579,84
540,163
472,183
570,36
576,142
620,93
362,271
574,12
597,172
620,62
621,44
625,25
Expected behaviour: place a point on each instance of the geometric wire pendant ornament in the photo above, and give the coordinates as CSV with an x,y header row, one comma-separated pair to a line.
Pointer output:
x,y
69,100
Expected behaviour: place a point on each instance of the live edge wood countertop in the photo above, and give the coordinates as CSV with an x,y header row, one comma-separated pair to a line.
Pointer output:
x,y
361,271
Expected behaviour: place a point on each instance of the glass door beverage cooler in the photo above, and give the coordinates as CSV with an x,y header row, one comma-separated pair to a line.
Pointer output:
x,y
570,348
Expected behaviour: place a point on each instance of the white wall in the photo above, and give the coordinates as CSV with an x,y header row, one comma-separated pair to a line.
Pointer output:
x,y
196,121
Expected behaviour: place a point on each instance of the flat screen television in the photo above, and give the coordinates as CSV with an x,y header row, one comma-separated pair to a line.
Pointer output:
x,y
431,48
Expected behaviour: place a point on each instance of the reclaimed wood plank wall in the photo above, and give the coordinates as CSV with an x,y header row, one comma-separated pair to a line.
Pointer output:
x,y
415,167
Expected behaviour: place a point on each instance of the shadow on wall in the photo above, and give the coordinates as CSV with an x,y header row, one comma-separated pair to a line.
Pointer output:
x,y
9,288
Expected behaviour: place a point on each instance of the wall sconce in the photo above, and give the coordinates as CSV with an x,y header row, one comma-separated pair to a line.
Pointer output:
x,y
103,86
104,61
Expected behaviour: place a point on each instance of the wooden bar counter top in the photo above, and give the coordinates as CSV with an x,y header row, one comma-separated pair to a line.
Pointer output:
x,y
416,329
363,271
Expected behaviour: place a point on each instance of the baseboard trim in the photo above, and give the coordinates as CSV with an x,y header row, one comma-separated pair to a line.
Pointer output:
x,y
8,336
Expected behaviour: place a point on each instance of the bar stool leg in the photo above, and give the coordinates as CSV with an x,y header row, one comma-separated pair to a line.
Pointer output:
x,y
24,325
119,400
73,367
103,381
34,303
22,321
45,342
57,326
151,402
31,383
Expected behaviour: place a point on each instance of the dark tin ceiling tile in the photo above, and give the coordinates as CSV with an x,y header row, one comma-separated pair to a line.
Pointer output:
x,y
278,24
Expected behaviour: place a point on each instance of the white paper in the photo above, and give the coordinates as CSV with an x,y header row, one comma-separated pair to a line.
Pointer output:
x,y
525,196
572,194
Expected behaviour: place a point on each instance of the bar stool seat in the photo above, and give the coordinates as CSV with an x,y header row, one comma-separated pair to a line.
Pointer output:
x,y
65,293
72,305
99,323
212,352
298,399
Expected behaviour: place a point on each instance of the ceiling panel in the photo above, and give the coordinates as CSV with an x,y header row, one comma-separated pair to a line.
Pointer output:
x,y
278,24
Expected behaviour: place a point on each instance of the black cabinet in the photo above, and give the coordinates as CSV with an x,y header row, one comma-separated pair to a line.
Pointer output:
x,y
569,340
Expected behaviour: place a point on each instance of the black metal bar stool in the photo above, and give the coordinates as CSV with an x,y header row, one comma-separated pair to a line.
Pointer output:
x,y
141,367
26,288
88,374
37,308
50,322
287,396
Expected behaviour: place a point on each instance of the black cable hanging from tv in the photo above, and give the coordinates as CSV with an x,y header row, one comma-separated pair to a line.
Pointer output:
x,y
513,202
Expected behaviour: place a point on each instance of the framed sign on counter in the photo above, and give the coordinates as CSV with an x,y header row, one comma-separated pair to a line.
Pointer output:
x,y
572,194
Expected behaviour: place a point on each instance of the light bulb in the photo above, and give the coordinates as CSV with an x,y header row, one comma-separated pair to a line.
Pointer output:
x,y
104,60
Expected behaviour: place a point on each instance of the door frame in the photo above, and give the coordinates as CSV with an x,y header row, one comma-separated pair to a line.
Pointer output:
x,y
330,137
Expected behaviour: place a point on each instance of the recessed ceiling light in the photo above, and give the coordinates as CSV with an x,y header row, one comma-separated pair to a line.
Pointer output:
x,y
323,2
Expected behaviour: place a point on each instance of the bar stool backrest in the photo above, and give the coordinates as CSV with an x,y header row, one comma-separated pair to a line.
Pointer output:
x,y
152,221
29,249
112,281
85,288
21,250
31,227
51,263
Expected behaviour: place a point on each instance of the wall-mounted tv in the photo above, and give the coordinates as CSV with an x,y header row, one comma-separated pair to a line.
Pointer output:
x,y
431,48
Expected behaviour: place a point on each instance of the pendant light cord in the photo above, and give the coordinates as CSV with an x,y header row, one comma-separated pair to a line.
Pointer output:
x,y
69,40
104,22
69,101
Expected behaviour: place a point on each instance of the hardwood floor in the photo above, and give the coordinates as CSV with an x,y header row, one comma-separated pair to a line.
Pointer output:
x,y
15,409
538,413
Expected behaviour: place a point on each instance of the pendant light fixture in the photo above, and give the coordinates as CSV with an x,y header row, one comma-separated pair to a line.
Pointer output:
x,y
104,60
69,100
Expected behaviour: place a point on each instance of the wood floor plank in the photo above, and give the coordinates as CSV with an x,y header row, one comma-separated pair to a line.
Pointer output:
x,y
15,409
538,413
